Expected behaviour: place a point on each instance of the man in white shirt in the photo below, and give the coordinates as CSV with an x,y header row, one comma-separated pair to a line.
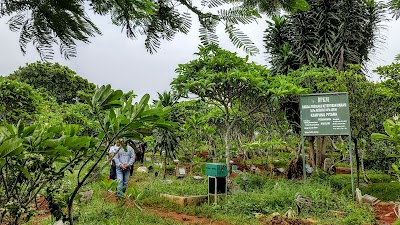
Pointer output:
x,y
113,150
124,160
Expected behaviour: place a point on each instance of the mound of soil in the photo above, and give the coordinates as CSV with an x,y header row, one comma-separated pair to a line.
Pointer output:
x,y
384,212
183,218
343,170
279,220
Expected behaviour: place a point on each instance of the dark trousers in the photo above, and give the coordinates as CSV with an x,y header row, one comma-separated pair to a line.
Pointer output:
x,y
113,172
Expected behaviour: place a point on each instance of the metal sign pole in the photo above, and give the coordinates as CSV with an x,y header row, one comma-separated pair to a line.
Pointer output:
x,y
304,157
351,167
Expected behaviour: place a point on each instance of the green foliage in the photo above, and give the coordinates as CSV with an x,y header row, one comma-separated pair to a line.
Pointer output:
x,y
18,101
249,182
392,130
340,181
391,82
238,88
32,158
64,23
123,118
383,191
58,81
79,113
324,35
279,195
394,6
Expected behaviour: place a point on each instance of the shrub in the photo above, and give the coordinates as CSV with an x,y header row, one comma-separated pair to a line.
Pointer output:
x,y
250,182
383,191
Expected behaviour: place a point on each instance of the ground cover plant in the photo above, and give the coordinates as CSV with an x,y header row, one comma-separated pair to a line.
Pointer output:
x,y
260,199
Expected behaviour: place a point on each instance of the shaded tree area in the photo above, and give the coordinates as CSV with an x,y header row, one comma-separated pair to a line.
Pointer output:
x,y
238,88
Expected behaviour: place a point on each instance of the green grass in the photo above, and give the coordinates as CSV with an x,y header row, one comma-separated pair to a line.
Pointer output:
x,y
340,181
264,196
383,191
258,194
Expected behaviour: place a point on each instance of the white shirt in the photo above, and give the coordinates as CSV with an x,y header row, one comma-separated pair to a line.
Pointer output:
x,y
114,149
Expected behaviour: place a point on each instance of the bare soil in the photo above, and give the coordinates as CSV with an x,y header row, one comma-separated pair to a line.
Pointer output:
x,y
279,220
385,213
343,170
185,219
178,217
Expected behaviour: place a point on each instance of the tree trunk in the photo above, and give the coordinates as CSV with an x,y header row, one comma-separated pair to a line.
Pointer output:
x,y
227,147
357,161
365,177
321,151
165,165
312,150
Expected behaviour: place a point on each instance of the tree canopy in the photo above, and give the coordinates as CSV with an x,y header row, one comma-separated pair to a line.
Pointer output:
x,y
17,101
231,83
48,23
58,81
332,33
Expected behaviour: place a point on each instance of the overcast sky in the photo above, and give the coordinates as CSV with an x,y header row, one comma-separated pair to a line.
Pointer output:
x,y
125,64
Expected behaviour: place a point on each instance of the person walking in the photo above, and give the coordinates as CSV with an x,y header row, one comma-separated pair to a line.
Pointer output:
x,y
111,153
123,159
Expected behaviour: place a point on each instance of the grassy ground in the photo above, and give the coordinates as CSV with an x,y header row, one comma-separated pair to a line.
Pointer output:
x,y
258,195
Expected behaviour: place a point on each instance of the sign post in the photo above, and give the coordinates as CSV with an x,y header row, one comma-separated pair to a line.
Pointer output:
x,y
325,114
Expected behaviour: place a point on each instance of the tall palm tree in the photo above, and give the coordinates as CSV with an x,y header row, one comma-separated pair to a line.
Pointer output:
x,y
333,33
166,140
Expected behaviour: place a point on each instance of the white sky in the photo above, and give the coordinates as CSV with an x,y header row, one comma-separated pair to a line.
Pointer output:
x,y
125,64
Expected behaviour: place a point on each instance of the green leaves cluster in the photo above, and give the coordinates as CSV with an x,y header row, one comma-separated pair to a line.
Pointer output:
x,y
392,135
47,23
239,89
32,158
18,101
332,33
56,80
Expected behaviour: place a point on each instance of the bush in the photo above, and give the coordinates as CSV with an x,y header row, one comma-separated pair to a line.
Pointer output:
x,y
251,182
17,101
340,181
383,191
279,196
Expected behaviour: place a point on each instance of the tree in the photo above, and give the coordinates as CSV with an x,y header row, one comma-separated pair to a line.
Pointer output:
x,y
123,118
28,158
392,135
18,101
236,87
58,81
332,33
166,140
394,6
48,23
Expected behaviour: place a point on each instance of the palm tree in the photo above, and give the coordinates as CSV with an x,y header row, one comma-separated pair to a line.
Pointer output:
x,y
166,140
333,33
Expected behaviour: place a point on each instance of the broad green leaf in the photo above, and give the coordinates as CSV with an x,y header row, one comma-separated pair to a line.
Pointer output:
x,y
24,171
10,147
2,162
377,136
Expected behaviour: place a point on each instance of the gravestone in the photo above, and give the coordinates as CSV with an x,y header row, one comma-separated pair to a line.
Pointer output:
x,y
327,164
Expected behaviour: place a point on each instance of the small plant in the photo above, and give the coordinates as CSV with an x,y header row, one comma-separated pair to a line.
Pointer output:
x,y
392,130
109,185
132,195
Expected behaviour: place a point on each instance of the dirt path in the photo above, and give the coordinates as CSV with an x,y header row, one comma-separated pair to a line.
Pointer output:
x,y
178,217
183,218
384,212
